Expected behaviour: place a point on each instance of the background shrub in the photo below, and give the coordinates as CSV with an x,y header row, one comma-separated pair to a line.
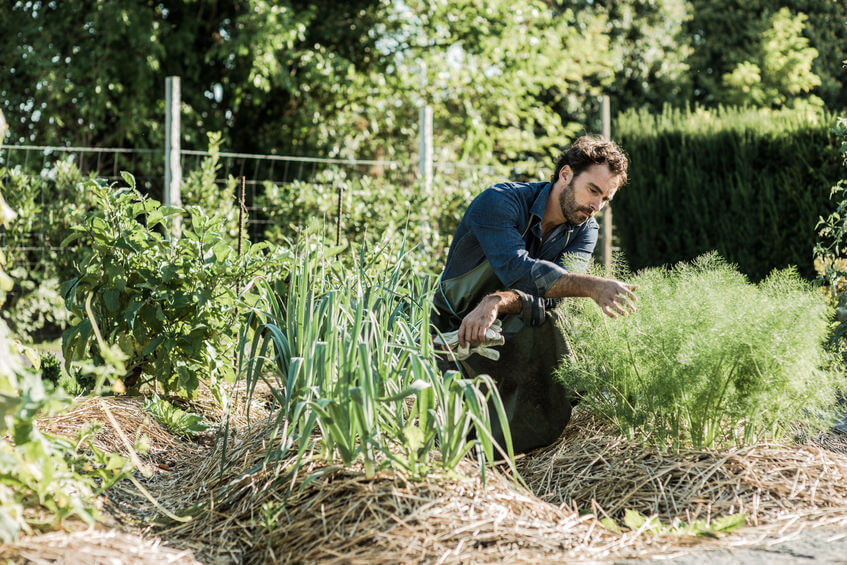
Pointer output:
x,y
47,204
708,359
749,184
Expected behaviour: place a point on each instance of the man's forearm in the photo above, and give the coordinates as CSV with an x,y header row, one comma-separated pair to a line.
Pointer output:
x,y
613,297
573,285
507,302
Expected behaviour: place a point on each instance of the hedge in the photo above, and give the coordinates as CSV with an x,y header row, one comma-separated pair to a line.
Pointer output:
x,y
748,183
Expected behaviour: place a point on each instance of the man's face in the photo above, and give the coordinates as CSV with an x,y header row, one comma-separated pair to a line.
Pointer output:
x,y
586,194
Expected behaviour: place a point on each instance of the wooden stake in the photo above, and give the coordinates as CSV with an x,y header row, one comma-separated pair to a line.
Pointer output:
x,y
338,216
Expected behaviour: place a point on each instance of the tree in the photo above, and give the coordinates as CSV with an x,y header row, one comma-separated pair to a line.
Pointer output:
x,y
727,33
92,72
780,70
648,48
293,76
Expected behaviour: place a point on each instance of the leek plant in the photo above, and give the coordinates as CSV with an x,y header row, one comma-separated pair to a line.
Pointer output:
x,y
708,359
347,353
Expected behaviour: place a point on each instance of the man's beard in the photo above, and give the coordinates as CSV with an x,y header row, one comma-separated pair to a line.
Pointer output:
x,y
573,214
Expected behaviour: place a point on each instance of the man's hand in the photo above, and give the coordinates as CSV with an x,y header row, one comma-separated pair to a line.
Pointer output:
x,y
479,320
614,297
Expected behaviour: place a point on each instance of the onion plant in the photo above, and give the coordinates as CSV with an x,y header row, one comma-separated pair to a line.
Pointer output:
x,y
347,353
708,358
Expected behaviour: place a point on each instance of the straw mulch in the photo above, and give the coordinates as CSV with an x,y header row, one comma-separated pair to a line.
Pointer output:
x,y
93,547
337,515
251,512
131,419
594,469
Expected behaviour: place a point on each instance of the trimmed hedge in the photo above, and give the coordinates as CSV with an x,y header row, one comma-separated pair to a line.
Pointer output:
x,y
748,183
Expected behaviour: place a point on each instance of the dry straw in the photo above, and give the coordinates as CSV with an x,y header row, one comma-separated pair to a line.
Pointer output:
x,y
93,547
594,469
337,515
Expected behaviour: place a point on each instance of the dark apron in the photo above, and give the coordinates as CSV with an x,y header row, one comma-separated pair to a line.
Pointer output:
x,y
537,407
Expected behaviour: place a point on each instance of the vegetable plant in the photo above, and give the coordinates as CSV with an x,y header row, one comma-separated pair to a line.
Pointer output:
x,y
831,247
708,358
165,307
41,478
348,351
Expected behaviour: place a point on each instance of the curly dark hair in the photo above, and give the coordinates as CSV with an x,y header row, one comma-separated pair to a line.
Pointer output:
x,y
593,150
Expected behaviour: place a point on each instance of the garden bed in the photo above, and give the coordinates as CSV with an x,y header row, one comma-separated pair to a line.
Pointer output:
x,y
336,514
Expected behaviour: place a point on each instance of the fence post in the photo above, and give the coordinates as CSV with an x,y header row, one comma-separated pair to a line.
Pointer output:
x,y
3,127
425,147
606,228
173,169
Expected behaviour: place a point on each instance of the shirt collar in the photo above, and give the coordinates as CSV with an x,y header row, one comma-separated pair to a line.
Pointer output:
x,y
540,204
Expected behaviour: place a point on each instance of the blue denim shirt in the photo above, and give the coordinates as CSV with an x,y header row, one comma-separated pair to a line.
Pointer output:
x,y
503,225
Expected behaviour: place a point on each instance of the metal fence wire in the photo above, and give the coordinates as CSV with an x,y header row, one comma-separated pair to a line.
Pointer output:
x,y
147,165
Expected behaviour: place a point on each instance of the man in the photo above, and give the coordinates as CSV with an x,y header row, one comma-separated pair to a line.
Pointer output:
x,y
519,248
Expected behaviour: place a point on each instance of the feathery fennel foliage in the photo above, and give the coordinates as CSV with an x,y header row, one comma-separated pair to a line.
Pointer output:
x,y
709,359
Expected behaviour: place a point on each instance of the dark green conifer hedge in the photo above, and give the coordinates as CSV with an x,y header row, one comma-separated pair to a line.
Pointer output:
x,y
748,183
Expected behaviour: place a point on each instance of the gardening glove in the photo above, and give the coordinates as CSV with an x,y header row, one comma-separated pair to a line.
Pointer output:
x,y
493,336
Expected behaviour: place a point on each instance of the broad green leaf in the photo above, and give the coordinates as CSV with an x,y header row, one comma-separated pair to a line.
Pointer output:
x,y
727,524
633,520
128,178
611,525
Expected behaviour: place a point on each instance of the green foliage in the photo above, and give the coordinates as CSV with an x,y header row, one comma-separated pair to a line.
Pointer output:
x,y
648,49
200,188
637,522
178,421
51,369
352,355
748,183
781,68
709,359
375,209
47,204
830,249
305,77
165,308
725,33
40,474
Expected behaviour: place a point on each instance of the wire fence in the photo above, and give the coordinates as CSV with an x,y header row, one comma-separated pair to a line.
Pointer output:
x,y
259,171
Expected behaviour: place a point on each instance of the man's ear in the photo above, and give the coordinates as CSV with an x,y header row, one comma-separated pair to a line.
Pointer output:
x,y
566,173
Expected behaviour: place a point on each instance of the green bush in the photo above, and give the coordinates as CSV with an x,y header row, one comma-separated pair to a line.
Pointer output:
x,y
830,249
155,308
47,205
41,482
708,359
375,210
749,184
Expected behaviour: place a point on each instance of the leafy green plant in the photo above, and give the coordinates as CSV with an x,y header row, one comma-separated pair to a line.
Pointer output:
x,y
831,247
350,354
708,359
180,422
637,522
43,479
374,209
51,369
164,307
47,204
